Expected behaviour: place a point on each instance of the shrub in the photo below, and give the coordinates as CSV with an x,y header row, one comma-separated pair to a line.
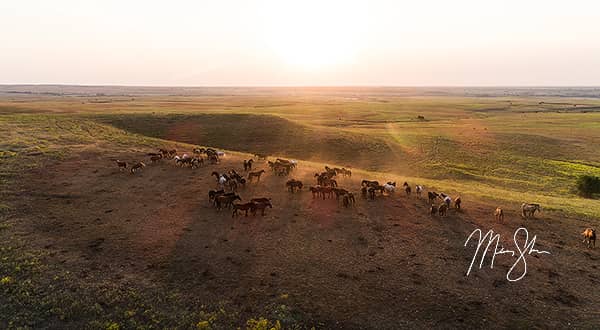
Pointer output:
x,y
262,324
588,185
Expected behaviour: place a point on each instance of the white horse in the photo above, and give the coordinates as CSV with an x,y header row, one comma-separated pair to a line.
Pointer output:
x,y
389,188
222,182
448,201
419,190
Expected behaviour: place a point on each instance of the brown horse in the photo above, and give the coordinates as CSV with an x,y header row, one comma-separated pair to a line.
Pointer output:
x,y
122,165
293,184
499,214
137,167
326,191
589,237
433,210
368,183
256,175
261,205
226,200
432,196
339,192
457,202
442,210
348,199
316,191
261,200
261,156
374,189
248,164
250,206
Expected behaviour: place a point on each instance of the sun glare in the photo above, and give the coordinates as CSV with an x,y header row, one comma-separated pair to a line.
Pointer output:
x,y
313,35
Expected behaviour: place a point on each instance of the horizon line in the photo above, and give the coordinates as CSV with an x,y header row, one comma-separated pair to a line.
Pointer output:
x,y
298,86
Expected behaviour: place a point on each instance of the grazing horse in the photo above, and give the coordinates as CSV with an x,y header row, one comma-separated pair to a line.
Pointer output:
x,y
339,192
293,184
419,190
528,209
216,174
256,175
213,158
155,159
178,160
226,200
368,183
261,204
499,214
371,193
329,183
457,202
390,187
261,156
589,237
326,191
433,209
250,206
348,199
238,178
137,167
197,162
232,185
261,200
363,192
374,189
122,165
345,201
248,164
407,190
448,201
221,193
344,172
221,179
316,191
331,172
442,210
432,196
212,194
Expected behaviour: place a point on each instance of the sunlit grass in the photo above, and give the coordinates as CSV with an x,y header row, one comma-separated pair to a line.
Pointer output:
x,y
501,149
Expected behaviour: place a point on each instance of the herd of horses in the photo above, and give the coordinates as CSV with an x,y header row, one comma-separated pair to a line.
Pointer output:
x,y
326,187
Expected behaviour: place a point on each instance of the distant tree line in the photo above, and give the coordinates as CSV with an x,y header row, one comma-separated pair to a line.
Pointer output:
x,y
588,185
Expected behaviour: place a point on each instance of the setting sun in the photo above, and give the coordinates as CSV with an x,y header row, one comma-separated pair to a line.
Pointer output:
x,y
313,35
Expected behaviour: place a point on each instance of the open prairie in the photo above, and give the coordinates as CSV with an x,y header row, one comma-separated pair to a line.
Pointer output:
x,y
88,246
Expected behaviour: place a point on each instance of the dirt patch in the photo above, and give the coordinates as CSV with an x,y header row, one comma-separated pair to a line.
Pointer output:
x,y
382,264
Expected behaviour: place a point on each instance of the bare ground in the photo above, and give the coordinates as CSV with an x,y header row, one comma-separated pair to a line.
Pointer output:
x,y
383,264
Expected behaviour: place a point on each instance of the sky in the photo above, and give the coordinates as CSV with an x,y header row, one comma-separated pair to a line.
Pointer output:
x,y
301,43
